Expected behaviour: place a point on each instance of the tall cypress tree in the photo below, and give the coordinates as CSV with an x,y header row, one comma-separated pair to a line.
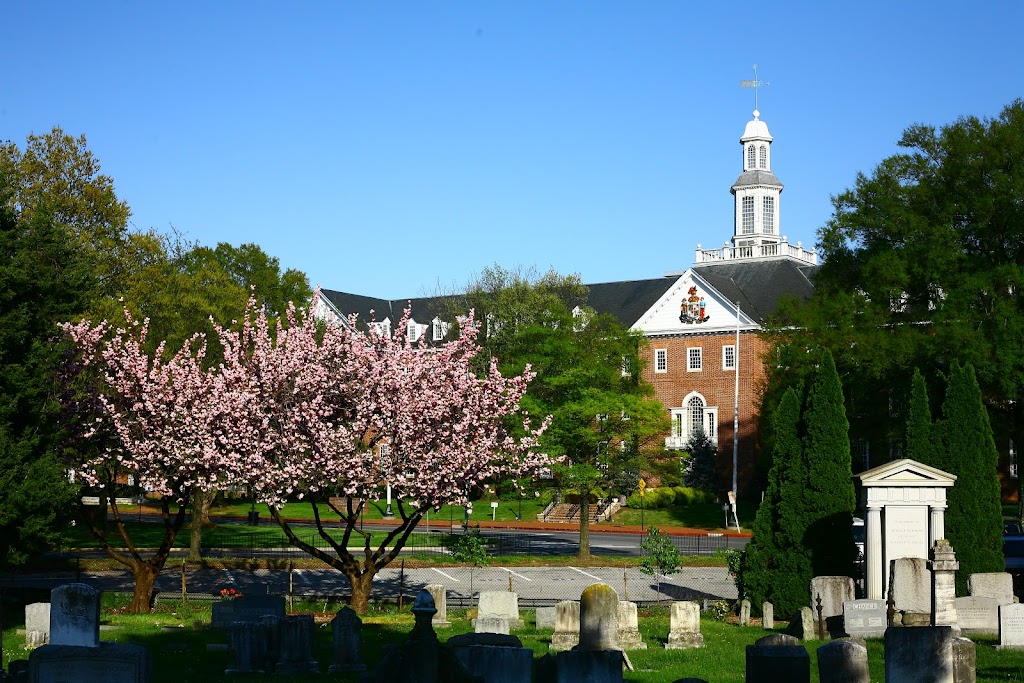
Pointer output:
x,y
829,489
919,440
974,519
776,567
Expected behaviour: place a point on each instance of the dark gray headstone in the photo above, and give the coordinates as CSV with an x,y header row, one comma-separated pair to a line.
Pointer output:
x,y
491,639
769,663
75,615
497,664
593,666
843,661
965,661
248,646
297,647
919,654
346,628
865,618
246,608
105,663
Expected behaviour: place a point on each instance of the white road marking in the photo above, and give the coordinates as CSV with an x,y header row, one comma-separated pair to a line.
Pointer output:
x,y
586,574
447,576
515,574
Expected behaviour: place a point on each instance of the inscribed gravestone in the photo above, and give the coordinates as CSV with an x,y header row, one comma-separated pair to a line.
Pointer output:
x,y
567,625
248,644
629,628
777,657
599,618
1011,626
496,664
919,654
833,592
37,624
768,616
106,662
297,632
246,608
75,615
346,629
843,661
965,661
684,626
977,615
491,624
997,585
864,618
910,589
500,604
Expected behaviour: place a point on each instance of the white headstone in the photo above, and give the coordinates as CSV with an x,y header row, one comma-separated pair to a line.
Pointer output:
x,y
997,585
629,628
977,615
37,624
864,618
567,625
491,624
440,594
910,586
500,604
546,617
1011,626
684,626
75,615
768,616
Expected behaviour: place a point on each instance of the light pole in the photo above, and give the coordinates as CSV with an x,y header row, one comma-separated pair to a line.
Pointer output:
x,y
387,510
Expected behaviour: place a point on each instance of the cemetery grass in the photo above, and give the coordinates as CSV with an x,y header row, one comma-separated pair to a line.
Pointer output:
x,y
177,636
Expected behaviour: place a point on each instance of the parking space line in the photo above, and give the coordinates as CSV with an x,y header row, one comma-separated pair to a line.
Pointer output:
x,y
447,576
515,574
586,574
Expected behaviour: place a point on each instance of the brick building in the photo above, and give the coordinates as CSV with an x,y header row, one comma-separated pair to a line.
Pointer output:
x,y
702,323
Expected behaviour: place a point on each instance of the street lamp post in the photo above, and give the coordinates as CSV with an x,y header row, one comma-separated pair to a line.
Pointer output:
x,y
387,510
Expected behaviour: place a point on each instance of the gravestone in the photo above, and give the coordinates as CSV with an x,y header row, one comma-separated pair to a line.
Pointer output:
x,y
545,617
272,646
246,608
843,661
943,566
910,591
490,639
629,628
37,624
440,595
248,643
977,614
777,657
864,618
567,625
491,624
75,615
803,625
495,664
297,646
684,626
592,666
1011,627
965,661
996,585
745,612
919,654
833,592
768,616
105,663
346,628
599,618
500,604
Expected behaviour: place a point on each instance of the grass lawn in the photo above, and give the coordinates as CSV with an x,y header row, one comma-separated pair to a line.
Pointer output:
x,y
507,511
177,636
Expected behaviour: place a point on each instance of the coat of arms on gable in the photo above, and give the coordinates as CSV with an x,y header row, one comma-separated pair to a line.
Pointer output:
x,y
692,309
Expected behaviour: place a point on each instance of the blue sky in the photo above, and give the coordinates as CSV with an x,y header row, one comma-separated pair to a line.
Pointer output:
x,y
392,148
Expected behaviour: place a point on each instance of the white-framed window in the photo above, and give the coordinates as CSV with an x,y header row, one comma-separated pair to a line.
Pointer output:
x,y
751,158
694,359
412,331
729,357
1013,459
748,215
764,156
381,328
440,329
661,360
694,414
768,218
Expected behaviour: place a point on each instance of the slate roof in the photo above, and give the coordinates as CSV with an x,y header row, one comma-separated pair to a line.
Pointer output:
x,y
424,309
628,300
760,178
760,285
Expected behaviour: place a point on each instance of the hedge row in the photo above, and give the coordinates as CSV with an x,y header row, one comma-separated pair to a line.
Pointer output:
x,y
667,496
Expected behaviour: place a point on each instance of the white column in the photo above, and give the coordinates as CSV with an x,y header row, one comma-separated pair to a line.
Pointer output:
x,y
937,527
873,553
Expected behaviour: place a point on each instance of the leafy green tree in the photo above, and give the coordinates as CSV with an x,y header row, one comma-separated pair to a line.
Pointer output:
x,y
43,280
829,487
920,442
660,556
974,520
776,566
701,471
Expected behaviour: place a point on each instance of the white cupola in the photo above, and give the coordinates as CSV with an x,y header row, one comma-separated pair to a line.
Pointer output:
x,y
757,190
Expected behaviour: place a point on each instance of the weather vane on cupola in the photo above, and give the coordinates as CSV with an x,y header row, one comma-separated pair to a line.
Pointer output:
x,y
754,84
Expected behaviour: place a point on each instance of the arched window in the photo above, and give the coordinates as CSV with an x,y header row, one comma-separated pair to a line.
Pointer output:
x,y
695,408
691,416
751,158
764,156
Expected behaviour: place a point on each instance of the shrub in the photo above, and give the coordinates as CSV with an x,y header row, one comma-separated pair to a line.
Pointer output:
x,y
683,495
666,497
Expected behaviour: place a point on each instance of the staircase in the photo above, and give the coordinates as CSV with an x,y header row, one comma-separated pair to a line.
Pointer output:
x,y
570,514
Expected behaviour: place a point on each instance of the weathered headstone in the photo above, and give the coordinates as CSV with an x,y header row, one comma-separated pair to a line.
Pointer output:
x,y
833,591
113,662
247,643
599,618
297,646
919,654
440,595
943,566
803,625
500,604
495,664
910,590
567,625
965,661
864,618
545,617
272,645
778,657
593,666
37,624
1011,626
75,615
629,628
744,612
684,626
977,614
346,627
997,585
246,608
843,661
491,624
768,616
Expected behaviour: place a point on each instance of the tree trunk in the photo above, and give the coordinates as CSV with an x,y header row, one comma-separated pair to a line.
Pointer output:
x,y
362,586
200,502
584,551
145,584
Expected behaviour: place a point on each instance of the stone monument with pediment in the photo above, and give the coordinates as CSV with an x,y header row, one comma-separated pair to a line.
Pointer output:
x,y
905,502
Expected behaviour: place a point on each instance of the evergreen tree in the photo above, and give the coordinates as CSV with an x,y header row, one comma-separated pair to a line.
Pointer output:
x,y
775,566
829,490
974,517
920,445
701,472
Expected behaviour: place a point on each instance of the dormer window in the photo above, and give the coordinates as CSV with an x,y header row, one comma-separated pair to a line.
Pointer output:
x,y
412,331
439,328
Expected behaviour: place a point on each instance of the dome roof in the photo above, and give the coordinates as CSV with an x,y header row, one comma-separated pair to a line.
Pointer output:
x,y
756,129
759,178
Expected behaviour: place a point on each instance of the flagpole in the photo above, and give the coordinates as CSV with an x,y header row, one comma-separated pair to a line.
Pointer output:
x,y
736,419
